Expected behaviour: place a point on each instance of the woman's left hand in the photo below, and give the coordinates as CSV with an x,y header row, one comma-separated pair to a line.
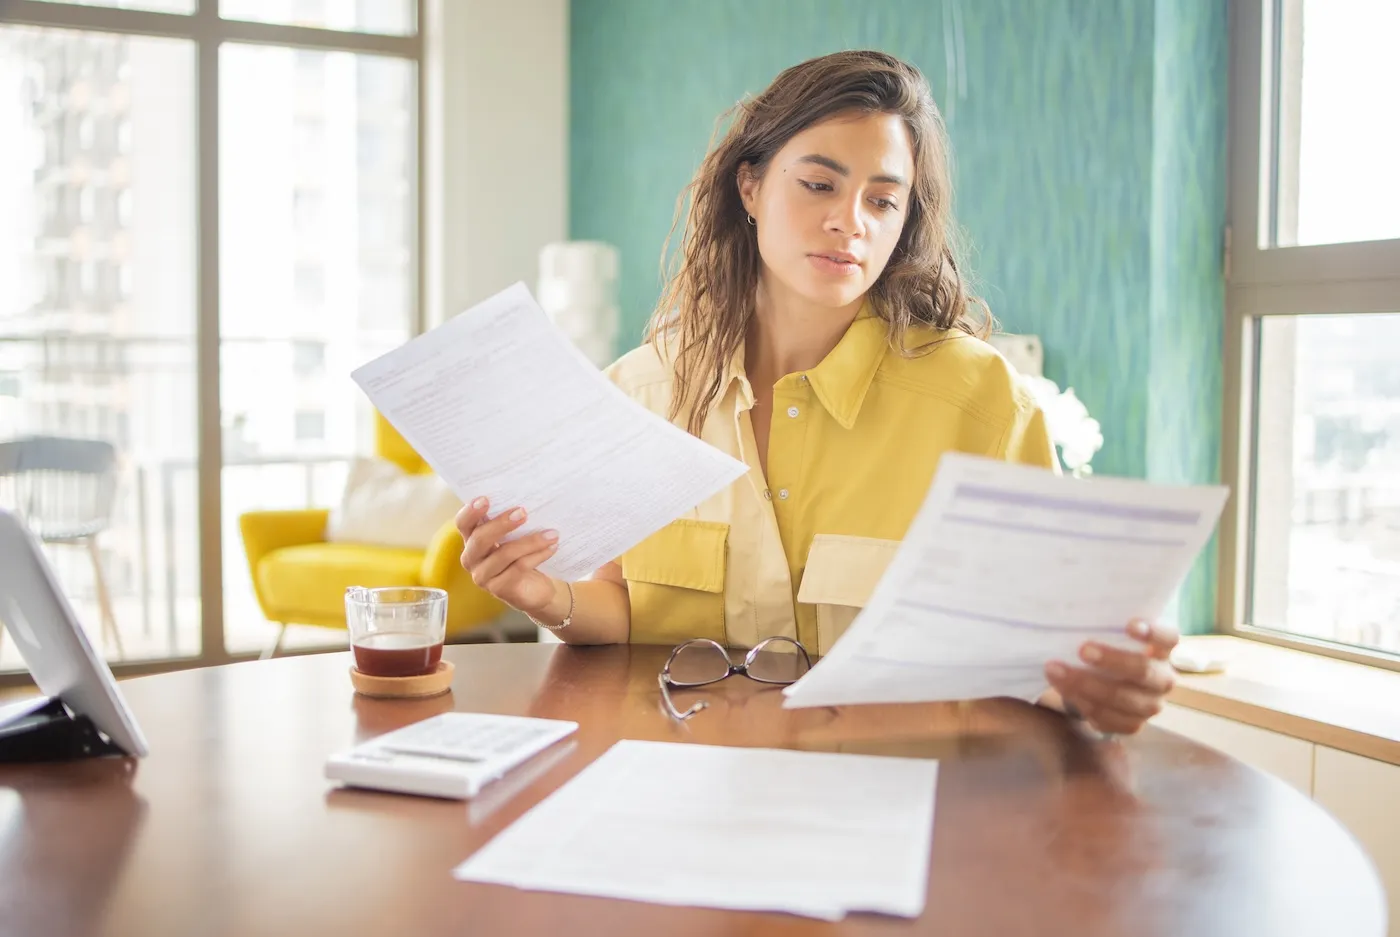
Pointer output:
x,y
1119,690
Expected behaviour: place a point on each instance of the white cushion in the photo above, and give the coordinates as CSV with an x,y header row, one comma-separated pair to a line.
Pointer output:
x,y
385,506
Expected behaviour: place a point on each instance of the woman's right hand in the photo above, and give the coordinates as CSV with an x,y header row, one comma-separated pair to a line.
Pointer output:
x,y
507,570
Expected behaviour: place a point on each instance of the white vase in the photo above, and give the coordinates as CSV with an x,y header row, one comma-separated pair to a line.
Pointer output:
x,y
578,291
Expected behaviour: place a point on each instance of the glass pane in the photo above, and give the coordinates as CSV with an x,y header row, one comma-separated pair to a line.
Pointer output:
x,y
779,662
317,229
1326,513
160,6
696,664
1339,142
97,316
389,17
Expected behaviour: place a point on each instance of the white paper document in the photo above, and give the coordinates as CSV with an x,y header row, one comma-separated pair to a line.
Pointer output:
x,y
807,833
1005,568
500,404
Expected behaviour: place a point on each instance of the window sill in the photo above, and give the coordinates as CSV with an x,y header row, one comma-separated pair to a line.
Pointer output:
x,y
1329,702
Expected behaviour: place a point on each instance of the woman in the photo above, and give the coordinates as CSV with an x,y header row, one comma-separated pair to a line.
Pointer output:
x,y
817,326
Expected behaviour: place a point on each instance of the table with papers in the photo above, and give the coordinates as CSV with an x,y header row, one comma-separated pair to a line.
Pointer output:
x,y
1004,568
230,828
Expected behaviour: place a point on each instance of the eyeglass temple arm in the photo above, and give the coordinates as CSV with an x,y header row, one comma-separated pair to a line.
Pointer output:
x,y
671,707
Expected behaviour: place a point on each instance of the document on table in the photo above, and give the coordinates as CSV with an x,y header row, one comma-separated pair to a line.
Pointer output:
x,y
500,404
1005,568
807,833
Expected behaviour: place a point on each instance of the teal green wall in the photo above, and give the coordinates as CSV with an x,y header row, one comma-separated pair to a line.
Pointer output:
x,y
1187,297
1088,138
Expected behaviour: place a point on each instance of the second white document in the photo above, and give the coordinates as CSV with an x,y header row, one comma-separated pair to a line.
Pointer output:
x,y
501,405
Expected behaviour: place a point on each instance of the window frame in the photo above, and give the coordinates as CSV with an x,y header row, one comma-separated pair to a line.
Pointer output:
x,y
208,32
1263,281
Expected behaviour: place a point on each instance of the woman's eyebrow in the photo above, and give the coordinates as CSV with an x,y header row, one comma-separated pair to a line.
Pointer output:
x,y
841,169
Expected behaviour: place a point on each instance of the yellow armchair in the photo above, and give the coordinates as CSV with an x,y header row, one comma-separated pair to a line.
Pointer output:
x,y
301,579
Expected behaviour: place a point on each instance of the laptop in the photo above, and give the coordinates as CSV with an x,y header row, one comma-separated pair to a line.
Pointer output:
x,y
82,713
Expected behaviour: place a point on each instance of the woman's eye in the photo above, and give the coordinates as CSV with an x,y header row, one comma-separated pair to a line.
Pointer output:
x,y
814,186
884,204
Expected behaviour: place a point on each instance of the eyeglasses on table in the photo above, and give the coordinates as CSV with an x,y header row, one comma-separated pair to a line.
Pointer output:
x,y
778,660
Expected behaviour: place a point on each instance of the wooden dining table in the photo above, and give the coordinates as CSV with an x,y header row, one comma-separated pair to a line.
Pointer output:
x,y
229,826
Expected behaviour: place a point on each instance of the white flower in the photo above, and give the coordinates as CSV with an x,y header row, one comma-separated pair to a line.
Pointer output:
x,y
1068,422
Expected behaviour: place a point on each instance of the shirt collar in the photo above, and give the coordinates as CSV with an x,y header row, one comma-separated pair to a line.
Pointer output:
x,y
843,377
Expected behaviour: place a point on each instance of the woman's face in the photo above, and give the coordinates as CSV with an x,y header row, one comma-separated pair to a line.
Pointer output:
x,y
831,206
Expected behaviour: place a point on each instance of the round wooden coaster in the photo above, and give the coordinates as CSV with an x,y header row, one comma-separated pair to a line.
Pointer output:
x,y
428,684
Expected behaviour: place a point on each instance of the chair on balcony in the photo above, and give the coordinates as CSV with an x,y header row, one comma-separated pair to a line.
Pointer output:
x,y
64,490
300,578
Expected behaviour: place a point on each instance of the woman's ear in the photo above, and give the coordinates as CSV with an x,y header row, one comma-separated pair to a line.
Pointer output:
x,y
748,186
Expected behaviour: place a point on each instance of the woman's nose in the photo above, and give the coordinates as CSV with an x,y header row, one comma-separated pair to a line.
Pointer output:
x,y
845,219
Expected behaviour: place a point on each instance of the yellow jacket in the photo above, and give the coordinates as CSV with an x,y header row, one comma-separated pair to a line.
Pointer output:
x,y
853,447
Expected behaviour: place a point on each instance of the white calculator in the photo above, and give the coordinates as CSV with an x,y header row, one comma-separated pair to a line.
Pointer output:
x,y
451,755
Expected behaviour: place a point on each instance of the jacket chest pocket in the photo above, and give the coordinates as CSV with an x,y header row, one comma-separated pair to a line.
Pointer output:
x,y
840,576
675,583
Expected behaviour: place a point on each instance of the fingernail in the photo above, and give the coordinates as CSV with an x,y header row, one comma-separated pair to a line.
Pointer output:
x,y
1140,629
518,514
551,535
1056,670
478,504
1091,653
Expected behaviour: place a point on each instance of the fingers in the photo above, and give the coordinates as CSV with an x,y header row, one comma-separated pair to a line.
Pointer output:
x,y
1161,640
471,515
1111,705
1131,667
1121,689
524,564
496,562
1106,693
487,533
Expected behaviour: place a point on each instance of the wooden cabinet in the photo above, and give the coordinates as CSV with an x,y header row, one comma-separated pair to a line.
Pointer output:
x,y
1364,794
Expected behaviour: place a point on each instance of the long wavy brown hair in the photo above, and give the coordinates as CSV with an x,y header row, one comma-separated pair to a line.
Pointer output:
x,y
712,278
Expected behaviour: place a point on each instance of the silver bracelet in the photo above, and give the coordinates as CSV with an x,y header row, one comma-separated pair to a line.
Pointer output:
x,y
568,619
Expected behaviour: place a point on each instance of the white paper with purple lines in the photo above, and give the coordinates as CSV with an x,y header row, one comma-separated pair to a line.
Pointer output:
x,y
1005,568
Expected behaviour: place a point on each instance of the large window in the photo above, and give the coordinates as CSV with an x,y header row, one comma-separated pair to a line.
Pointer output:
x,y
1313,419
208,217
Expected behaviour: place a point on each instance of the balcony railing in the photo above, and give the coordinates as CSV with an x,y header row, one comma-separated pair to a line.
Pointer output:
x,y
150,551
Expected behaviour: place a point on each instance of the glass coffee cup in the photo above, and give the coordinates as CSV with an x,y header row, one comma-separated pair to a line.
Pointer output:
x,y
396,631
